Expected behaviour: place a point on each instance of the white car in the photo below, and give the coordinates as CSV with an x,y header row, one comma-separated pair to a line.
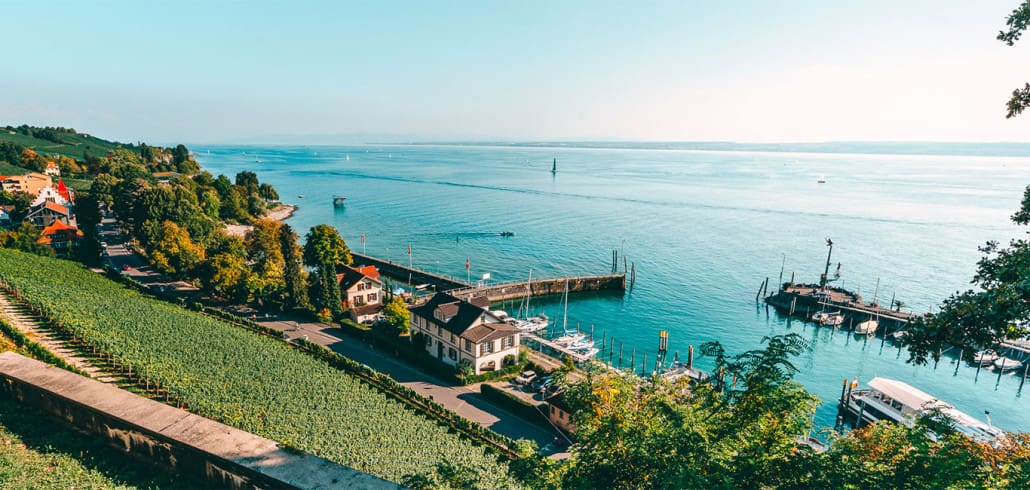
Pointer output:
x,y
525,378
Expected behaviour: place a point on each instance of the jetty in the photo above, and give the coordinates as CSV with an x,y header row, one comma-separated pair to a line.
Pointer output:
x,y
806,299
541,342
494,292
542,287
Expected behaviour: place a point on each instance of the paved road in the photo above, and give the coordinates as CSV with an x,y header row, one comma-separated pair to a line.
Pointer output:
x,y
465,400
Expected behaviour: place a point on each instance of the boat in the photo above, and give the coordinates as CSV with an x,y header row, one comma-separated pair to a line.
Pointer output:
x,y
985,357
833,319
348,157
588,351
896,401
300,196
507,233
525,322
871,325
820,316
554,166
338,201
1006,364
822,179
569,338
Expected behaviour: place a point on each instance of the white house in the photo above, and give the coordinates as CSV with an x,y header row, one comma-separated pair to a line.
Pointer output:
x,y
362,292
52,169
454,331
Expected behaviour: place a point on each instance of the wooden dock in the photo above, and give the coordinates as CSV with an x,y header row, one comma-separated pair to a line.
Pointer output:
x,y
542,287
409,274
806,299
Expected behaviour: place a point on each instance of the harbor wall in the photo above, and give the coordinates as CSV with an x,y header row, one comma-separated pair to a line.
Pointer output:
x,y
402,272
168,437
545,287
804,305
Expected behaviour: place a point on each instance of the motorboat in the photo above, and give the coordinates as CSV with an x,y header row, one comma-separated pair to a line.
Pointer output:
x,y
539,322
569,338
820,316
896,401
985,357
1006,364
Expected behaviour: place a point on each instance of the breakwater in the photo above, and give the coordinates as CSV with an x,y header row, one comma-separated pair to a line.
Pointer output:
x,y
410,274
544,287
224,456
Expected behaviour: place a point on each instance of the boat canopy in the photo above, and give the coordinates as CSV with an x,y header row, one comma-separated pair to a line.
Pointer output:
x,y
912,398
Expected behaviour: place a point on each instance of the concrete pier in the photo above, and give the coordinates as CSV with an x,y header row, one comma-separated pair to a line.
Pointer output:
x,y
403,272
543,287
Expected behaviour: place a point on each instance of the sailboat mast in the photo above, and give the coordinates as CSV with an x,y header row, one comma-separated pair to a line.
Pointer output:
x,y
554,165
565,315
529,291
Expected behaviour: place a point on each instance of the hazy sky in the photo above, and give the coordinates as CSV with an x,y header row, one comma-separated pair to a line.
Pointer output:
x,y
296,71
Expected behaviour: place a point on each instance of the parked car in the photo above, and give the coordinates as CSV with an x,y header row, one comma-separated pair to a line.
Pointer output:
x,y
525,378
541,383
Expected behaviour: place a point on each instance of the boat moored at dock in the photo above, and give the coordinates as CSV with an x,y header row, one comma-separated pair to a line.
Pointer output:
x,y
898,402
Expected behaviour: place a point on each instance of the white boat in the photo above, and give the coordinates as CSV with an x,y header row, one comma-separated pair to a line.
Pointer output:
x,y
892,400
985,357
569,338
820,316
822,179
539,322
867,327
833,319
1005,364
871,325
530,323
588,352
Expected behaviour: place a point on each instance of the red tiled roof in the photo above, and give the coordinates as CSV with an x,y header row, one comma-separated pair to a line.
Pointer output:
x,y
63,191
58,228
53,206
369,271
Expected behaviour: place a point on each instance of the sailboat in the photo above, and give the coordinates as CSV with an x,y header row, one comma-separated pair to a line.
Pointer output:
x,y
871,325
554,166
569,337
348,157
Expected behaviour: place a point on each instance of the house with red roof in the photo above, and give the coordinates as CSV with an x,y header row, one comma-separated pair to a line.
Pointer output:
x,y
60,195
49,213
362,292
61,236
52,169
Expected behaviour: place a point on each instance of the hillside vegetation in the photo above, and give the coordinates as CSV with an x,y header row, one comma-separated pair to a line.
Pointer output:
x,y
237,377
63,141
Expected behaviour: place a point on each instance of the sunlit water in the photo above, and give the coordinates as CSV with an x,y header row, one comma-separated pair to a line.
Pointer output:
x,y
703,228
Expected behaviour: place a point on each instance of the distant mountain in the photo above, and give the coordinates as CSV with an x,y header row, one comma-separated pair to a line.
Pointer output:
x,y
63,141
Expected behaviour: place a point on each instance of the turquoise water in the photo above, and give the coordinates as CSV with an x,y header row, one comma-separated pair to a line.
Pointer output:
x,y
704,229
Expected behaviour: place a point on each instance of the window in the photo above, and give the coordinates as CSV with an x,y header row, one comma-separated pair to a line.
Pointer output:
x,y
468,345
371,297
486,348
452,340
429,341
509,341
552,409
453,354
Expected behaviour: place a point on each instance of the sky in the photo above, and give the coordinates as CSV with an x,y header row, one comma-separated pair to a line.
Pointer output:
x,y
345,72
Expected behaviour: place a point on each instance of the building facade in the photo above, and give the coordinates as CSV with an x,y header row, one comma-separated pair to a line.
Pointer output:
x,y
362,292
456,332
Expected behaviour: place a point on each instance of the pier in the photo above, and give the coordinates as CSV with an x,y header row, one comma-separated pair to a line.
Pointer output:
x,y
414,276
542,287
805,299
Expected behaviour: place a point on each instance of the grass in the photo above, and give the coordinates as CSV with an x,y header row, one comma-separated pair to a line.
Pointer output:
x,y
79,184
41,454
38,454
74,144
8,169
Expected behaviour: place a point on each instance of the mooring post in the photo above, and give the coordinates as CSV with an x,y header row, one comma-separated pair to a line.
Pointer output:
x,y
979,365
1002,368
793,303
625,266
959,361
843,390
611,351
690,357
620,355
633,360
633,275
1026,366
643,366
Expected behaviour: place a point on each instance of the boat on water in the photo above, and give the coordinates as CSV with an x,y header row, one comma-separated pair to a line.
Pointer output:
x,y
507,233
588,351
833,319
820,316
569,338
523,320
899,402
985,357
822,179
1007,364
554,166
867,327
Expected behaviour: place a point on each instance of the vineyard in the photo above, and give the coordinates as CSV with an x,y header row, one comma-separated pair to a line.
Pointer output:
x,y
237,377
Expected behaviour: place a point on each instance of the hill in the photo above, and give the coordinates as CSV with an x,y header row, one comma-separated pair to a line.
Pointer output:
x,y
63,141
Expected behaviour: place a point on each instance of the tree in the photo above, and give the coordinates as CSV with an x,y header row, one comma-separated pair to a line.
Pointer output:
x,y
265,252
174,252
324,249
294,293
1017,22
397,315
25,238
226,274
974,320
267,192
180,154
248,180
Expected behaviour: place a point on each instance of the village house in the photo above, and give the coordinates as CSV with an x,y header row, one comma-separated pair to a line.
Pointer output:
x,y
456,331
30,183
362,292
559,413
60,236
49,213
52,169
59,195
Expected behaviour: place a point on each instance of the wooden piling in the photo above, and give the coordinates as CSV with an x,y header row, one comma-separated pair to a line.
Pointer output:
x,y
620,355
643,366
1026,367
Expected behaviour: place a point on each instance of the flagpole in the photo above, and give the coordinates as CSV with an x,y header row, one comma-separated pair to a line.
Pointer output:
x,y
468,271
